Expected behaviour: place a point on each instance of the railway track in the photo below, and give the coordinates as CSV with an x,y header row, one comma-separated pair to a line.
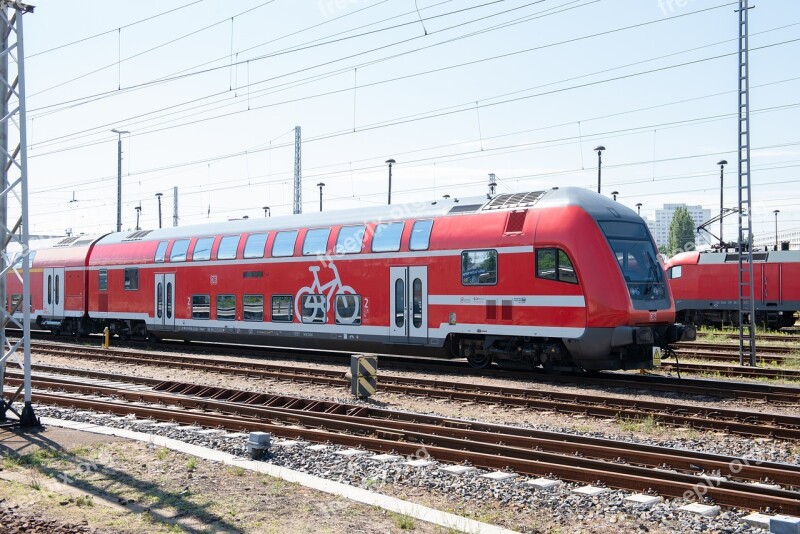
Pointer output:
x,y
733,370
675,473
762,351
587,404
703,388
788,338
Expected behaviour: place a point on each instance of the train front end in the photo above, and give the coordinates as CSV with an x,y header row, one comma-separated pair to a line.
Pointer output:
x,y
630,312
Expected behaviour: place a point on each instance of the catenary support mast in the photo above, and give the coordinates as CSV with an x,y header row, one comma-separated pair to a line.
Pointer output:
x,y
747,331
14,238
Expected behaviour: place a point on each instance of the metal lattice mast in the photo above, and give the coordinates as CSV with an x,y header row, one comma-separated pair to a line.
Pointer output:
x,y
298,190
14,239
747,330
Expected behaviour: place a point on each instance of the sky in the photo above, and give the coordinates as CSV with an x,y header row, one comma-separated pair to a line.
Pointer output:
x,y
451,89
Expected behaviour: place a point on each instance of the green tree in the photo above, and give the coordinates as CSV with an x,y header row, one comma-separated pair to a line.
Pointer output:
x,y
681,232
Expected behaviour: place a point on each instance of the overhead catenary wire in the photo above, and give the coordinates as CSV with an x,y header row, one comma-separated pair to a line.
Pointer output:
x,y
102,128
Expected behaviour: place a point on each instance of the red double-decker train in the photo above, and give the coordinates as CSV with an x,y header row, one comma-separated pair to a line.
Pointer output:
x,y
563,278
705,286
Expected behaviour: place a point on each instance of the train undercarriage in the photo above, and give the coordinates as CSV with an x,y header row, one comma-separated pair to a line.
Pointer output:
x,y
769,320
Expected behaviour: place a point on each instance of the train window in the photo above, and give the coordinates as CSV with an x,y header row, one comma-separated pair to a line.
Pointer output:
x,y
49,288
420,235
282,308
161,251
348,309
284,244
226,307
169,300
131,279
546,264
254,246
399,303
227,247
102,281
554,264
314,309
16,300
160,300
416,301
316,242
202,249
350,240
566,272
253,308
201,306
179,249
675,272
387,237
479,267
57,287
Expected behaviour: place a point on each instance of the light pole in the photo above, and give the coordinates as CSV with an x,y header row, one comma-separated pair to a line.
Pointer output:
x,y
158,196
639,209
266,212
390,162
776,212
721,164
614,194
321,185
119,176
599,150
138,212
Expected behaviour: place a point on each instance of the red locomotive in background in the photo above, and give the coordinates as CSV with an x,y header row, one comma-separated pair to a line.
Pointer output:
x,y
705,287
562,278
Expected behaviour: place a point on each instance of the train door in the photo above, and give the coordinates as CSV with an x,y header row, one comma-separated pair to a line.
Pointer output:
x,y
771,283
408,316
53,292
164,312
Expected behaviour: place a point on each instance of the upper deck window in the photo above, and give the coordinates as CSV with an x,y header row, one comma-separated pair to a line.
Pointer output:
x,y
254,246
387,237
202,249
284,244
316,242
421,235
179,249
350,239
227,247
161,251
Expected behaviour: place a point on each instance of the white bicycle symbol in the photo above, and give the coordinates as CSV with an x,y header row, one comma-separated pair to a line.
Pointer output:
x,y
318,299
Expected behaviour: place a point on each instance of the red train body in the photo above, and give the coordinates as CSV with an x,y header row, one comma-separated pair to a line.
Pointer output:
x,y
705,287
561,278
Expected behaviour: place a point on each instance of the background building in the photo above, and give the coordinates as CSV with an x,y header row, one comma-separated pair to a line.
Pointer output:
x,y
663,220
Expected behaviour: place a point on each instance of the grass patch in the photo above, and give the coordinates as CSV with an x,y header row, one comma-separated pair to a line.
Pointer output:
x,y
85,500
191,465
38,458
646,425
162,453
404,522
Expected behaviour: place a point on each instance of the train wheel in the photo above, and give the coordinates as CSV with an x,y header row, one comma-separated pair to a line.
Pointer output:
x,y
479,361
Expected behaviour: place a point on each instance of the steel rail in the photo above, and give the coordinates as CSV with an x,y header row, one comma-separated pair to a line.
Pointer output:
x,y
458,450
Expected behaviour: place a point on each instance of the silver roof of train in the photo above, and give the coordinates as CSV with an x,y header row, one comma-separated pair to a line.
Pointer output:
x,y
596,205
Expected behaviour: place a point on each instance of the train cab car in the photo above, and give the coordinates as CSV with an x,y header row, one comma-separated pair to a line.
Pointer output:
x,y
562,278
704,286
58,282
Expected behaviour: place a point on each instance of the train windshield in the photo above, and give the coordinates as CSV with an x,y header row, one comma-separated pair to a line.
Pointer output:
x,y
637,259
